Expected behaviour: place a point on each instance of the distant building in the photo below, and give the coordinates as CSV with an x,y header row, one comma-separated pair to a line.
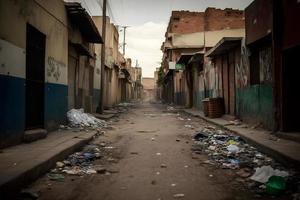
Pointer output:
x,y
189,77
149,88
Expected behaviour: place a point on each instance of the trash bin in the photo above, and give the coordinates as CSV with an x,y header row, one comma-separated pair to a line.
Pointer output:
x,y
215,107
205,106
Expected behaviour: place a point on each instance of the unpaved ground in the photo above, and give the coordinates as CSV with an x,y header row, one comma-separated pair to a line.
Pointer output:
x,y
144,139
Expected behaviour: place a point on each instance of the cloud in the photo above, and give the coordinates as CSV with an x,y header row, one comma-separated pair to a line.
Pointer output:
x,y
143,44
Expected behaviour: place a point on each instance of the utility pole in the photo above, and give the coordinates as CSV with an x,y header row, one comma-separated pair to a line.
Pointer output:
x,y
100,106
124,38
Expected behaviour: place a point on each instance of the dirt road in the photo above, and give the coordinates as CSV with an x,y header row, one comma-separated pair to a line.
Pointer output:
x,y
151,160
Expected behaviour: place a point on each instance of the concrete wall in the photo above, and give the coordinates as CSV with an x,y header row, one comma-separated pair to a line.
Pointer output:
x,y
50,19
254,102
113,84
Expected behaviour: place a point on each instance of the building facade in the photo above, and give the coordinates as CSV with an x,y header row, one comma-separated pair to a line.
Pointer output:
x,y
189,76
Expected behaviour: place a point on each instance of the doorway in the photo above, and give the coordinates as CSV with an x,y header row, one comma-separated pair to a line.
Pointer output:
x,y
35,78
290,88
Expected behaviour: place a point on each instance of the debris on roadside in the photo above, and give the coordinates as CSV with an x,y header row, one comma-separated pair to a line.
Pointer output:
x,y
229,151
178,195
170,108
163,165
81,163
262,174
78,118
126,104
188,126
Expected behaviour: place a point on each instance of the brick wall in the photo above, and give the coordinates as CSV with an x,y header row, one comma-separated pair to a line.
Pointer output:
x,y
184,22
218,19
212,19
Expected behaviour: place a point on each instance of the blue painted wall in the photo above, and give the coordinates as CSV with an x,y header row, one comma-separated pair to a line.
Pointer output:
x,y
56,105
12,110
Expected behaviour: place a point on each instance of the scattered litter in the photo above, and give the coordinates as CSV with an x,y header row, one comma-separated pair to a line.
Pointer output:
x,y
228,151
100,169
173,184
180,118
153,182
109,147
200,135
188,126
244,172
157,173
163,166
170,108
262,174
77,118
186,166
276,185
178,195
158,154
56,177
126,104
60,164
177,140
147,131
233,148
153,139
211,175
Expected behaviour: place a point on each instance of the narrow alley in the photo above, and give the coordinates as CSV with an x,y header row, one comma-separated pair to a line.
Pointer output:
x,y
148,155
149,100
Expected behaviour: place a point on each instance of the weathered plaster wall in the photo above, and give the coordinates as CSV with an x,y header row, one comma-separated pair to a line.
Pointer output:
x,y
14,15
254,103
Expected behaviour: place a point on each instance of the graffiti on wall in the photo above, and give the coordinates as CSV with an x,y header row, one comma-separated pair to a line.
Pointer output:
x,y
54,68
242,67
265,64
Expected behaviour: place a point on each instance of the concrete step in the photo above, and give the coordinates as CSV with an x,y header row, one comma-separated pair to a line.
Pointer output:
x,y
22,164
34,134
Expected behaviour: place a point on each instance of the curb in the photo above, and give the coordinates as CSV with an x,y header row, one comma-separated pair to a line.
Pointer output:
x,y
14,184
277,155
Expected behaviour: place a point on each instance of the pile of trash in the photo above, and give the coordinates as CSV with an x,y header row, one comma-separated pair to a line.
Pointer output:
x,y
80,163
229,151
78,118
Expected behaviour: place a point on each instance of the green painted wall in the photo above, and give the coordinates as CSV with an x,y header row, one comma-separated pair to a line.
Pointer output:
x,y
255,103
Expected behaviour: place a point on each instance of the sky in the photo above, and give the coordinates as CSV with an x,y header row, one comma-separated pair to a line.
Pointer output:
x,y
147,21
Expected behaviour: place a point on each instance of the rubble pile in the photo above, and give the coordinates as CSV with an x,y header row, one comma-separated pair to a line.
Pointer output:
x,y
78,118
229,151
